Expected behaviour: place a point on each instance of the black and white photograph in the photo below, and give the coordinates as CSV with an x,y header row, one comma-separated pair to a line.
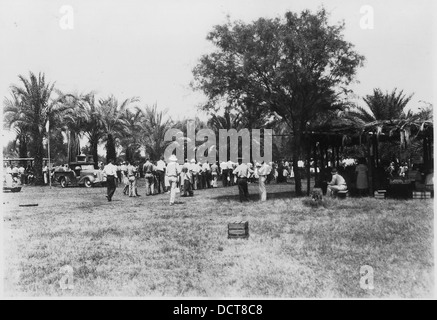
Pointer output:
x,y
189,150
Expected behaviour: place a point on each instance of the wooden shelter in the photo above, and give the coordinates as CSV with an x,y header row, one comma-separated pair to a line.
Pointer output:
x,y
325,143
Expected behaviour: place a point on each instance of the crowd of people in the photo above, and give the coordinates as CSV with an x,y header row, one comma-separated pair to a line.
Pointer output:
x,y
172,177
18,175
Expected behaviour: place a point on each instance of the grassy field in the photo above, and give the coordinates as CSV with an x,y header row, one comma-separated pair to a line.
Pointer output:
x,y
143,247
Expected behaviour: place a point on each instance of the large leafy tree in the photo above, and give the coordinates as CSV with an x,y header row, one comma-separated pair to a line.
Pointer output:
x,y
297,68
37,106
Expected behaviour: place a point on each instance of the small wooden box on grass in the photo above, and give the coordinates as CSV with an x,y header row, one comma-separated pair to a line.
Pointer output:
x,y
238,230
380,194
421,195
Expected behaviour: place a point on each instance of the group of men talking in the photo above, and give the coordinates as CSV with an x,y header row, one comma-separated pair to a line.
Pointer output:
x,y
192,175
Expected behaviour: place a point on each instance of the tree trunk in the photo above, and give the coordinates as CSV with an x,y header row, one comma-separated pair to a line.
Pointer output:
x,y
308,168
94,146
110,149
39,157
22,149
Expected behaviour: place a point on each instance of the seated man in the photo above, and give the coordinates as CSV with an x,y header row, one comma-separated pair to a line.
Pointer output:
x,y
337,184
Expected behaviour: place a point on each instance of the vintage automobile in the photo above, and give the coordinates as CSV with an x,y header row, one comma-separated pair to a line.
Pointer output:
x,y
79,173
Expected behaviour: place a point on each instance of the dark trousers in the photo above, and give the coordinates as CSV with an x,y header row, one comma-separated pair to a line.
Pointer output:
x,y
231,177
187,188
225,177
118,176
111,186
202,180
206,180
160,181
242,189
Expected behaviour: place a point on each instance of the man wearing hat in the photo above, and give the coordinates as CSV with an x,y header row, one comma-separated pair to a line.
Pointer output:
x,y
172,173
337,184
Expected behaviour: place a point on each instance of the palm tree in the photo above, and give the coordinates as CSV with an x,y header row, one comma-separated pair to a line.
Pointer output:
x,y
383,106
71,123
113,122
89,121
13,120
227,121
133,133
36,108
154,126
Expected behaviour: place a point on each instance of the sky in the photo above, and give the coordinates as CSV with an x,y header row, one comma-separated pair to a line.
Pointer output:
x,y
148,49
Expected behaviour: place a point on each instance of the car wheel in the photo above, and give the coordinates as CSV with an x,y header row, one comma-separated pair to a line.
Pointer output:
x,y
88,183
63,182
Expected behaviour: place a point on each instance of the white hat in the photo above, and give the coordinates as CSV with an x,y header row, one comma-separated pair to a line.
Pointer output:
x,y
173,158
193,161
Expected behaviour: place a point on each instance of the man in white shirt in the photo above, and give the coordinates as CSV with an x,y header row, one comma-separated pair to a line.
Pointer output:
x,y
110,171
224,173
241,172
194,168
206,175
263,171
160,174
172,173
337,184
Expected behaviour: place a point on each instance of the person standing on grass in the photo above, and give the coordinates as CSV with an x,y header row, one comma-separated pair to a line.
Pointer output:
x,y
137,177
194,169
361,176
124,178
160,173
118,173
241,172
187,177
131,174
214,174
150,179
263,171
172,173
337,184
224,172
110,172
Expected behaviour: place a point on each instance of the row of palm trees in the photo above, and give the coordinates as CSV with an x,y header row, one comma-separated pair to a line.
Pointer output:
x,y
117,124
123,125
